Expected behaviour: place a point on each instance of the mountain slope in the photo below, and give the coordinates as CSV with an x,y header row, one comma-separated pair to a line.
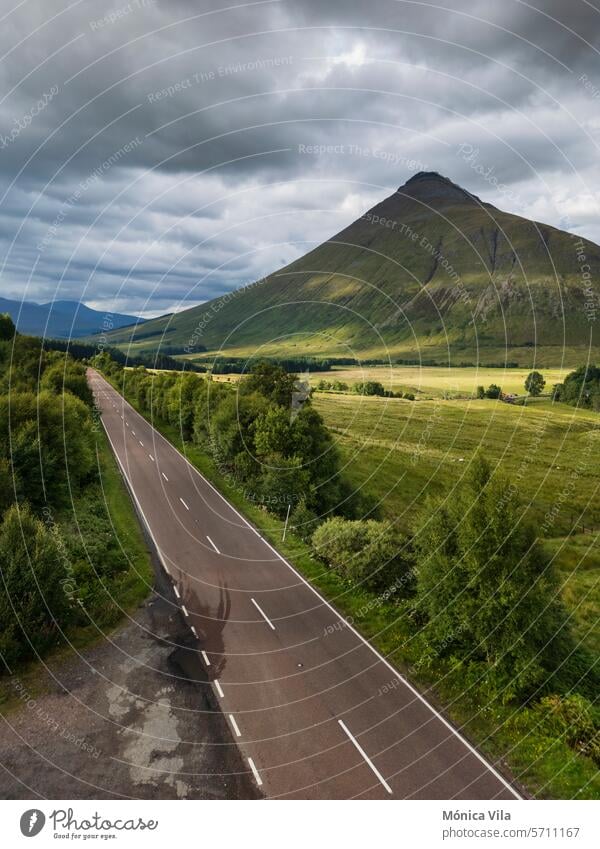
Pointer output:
x,y
61,319
430,271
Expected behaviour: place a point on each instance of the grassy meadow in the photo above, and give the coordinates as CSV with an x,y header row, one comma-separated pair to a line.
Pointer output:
x,y
400,452
437,382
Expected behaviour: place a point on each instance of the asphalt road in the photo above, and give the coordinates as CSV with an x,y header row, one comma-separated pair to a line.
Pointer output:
x,y
316,711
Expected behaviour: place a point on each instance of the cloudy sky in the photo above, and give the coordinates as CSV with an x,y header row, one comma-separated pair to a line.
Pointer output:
x,y
157,153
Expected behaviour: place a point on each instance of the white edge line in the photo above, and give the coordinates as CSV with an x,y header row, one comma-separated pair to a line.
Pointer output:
x,y
212,543
263,614
255,772
183,502
372,648
136,500
238,733
218,689
205,658
367,759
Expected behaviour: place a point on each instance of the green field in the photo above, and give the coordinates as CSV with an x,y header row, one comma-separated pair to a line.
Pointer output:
x,y
437,381
401,451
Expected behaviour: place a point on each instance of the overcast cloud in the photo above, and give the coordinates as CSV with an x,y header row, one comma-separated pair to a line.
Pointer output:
x,y
156,154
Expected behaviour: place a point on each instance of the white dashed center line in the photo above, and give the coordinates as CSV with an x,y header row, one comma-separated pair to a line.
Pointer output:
x,y
141,443
151,457
183,502
165,477
218,689
263,614
366,757
205,658
185,611
238,733
176,592
255,772
212,543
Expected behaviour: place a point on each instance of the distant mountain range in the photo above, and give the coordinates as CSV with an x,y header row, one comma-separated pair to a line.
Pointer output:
x,y
62,319
431,272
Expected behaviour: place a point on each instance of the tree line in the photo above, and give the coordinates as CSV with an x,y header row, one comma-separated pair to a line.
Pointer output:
x,y
60,563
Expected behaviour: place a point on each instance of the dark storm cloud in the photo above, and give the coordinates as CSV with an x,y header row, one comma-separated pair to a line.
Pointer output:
x,y
153,153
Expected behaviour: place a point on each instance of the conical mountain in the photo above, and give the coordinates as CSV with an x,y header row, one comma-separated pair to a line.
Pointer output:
x,y
431,272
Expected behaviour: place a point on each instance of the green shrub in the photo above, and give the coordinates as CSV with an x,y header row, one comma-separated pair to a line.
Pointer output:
x,y
374,554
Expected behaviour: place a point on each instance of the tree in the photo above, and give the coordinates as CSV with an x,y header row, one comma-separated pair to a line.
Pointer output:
x,y
68,376
272,381
33,604
487,594
480,392
7,327
493,391
534,383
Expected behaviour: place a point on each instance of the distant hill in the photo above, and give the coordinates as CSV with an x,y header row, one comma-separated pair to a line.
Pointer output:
x,y
61,319
431,272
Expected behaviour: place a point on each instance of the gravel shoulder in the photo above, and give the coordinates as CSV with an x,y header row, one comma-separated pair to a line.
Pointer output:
x,y
132,717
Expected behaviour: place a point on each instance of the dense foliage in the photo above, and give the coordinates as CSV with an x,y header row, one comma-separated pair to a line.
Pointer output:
x,y
488,596
373,554
58,553
581,388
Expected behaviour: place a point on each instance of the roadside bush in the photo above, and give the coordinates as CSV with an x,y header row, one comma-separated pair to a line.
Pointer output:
x,y
374,554
33,604
576,719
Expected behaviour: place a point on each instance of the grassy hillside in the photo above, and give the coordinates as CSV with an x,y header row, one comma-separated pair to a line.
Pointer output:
x,y
431,272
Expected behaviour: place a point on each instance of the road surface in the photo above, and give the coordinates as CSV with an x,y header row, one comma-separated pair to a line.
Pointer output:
x,y
316,711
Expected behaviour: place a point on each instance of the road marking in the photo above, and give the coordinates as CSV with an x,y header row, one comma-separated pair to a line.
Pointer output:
x,y
366,757
194,632
205,658
212,543
218,688
309,586
255,772
165,477
141,443
151,457
238,733
133,432
183,502
185,611
263,614
176,592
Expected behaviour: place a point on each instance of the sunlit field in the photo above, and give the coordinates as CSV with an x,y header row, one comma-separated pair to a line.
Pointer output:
x,y
431,381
